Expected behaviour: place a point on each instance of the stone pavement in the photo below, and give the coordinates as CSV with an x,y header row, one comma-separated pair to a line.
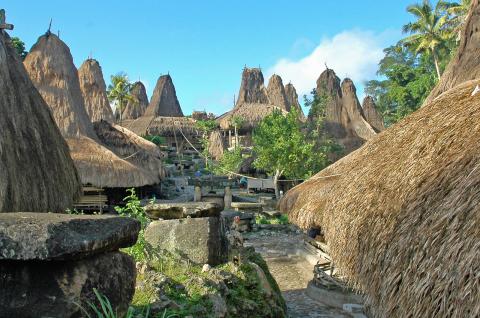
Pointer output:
x,y
291,271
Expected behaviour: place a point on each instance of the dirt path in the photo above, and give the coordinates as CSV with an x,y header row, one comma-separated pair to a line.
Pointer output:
x,y
291,272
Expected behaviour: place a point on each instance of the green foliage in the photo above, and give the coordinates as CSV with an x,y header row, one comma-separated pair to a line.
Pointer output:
x,y
281,147
19,46
119,91
157,140
282,219
231,161
206,126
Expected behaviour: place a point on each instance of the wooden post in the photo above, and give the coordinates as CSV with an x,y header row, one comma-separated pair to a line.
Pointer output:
x,y
228,198
3,24
197,196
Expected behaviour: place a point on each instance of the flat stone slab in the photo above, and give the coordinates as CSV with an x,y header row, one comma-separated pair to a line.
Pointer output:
x,y
53,236
246,206
202,240
181,210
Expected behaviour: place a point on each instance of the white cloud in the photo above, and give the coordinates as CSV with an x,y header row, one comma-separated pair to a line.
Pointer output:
x,y
352,53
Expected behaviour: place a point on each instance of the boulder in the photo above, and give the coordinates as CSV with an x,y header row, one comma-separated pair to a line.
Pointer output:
x,y
202,240
54,288
48,236
169,211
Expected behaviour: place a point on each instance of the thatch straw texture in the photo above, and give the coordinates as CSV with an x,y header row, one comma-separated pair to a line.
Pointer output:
x,y
128,145
464,66
251,113
252,89
292,99
402,216
94,91
136,107
372,116
164,101
50,67
216,145
36,171
168,126
102,168
276,93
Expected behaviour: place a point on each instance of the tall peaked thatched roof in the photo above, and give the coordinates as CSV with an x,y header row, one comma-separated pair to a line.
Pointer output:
x,y
50,64
464,66
130,146
401,214
276,93
50,67
36,171
136,107
292,99
164,101
94,91
252,89
372,116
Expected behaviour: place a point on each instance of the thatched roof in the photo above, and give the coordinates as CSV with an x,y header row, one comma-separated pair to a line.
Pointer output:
x,y
292,99
464,66
276,93
253,114
94,91
164,101
216,145
36,171
136,107
50,67
102,168
252,89
372,116
401,214
126,144
166,126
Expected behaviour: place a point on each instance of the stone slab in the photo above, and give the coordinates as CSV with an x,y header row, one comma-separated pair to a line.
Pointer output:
x,y
180,210
47,236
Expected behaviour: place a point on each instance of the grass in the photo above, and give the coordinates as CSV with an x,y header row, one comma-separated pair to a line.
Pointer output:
x,y
282,219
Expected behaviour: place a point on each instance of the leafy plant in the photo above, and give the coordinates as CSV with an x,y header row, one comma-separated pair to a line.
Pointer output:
x,y
119,91
19,46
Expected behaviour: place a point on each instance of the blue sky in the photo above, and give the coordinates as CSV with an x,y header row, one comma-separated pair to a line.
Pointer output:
x,y
205,44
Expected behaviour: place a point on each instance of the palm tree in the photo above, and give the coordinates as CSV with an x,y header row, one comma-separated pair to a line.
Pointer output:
x,y
119,91
458,12
430,32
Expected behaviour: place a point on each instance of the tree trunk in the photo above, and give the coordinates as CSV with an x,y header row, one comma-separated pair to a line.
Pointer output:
x,y
275,183
236,137
435,60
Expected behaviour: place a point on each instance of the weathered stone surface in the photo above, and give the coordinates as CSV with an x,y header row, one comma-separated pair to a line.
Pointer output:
x,y
247,206
47,236
252,89
372,116
276,93
164,101
214,198
169,211
201,240
51,289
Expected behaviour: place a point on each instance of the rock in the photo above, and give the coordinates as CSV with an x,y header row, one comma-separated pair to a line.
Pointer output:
x,y
215,198
219,305
51,289
252,89
169,211
372,116
47,236
139,103
247,206
202,240
94,91
164,101
276,93
206,268
239,221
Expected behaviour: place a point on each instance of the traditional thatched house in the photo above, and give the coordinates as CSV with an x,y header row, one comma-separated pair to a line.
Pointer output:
x,y
36,170
400,215
276,93
136,107
372,116
50,66
292,99
94,92
164,101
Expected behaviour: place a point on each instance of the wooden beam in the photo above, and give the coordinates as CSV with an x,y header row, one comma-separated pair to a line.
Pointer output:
x,y
6,26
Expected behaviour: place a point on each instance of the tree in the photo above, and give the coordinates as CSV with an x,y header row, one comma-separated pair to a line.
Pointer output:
x,y
430,32
19,46
457,12
206,127
119,91
283,149
407,79
230,162
237,122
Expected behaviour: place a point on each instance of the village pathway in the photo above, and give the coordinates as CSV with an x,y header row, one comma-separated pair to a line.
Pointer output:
x,y
292,272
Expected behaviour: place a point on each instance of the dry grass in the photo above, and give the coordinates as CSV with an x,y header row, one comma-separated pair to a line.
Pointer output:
x,y
136,107
251,113
403,218
94,91
36,171
216,145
